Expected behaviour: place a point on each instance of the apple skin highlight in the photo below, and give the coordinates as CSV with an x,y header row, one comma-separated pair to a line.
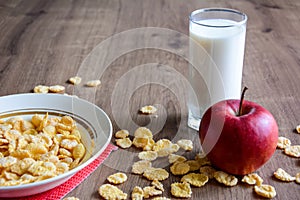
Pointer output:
x,y
245,142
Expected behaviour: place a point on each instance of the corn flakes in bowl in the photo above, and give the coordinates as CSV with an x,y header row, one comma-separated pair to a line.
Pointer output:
x,y
45,139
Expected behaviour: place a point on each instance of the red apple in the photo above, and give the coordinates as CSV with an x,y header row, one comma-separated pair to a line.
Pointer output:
x,y
238,136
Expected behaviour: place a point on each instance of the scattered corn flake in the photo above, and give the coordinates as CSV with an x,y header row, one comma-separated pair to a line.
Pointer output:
x,y
75,80
162,144
109,192
167,151
124,143
298,178
176,158
187,145
252,179
148,109
150,191
182,190
283,175
57,89
293,151
266,191
195,179
149,145
143,132
70,198
117,178
298,128
137,193
158,185
156,174
165,147
202,159
180,168
161,198
208,171
283,142
148,155
122,134
140,142
194,165
93,83
140,166
41,89
226,179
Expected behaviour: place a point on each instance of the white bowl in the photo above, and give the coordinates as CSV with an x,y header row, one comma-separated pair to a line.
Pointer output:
x,y
96,130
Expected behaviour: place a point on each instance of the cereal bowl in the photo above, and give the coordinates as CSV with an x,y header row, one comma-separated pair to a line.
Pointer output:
x,y
92,122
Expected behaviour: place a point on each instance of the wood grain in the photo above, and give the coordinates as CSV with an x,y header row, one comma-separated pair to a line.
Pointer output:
x,y
46,42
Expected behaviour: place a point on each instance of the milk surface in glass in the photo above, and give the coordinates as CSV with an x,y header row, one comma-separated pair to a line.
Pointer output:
x,y
224,42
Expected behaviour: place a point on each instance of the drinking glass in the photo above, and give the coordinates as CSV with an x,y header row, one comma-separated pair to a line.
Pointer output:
x,y
216,53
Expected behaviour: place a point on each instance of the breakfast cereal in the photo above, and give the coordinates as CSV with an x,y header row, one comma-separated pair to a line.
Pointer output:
x,y
252,179
137,193
195,179
35,150
122,134
93,83
140,166
282,175
117,178
266,191
185,144
158,185
41,89
75,80
226,179
57,89
181,190
156,174
147,155
143,132
298,178
293,151
180,168
208,171
176,158
150,191
202,159
124,143
194,165
108,191
283,142
298,128
148,109
161,198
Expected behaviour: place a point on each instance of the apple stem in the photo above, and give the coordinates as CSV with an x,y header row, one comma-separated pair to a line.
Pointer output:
x,y
241,101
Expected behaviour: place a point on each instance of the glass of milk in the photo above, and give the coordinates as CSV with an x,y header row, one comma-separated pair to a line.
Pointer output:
x,y
216,53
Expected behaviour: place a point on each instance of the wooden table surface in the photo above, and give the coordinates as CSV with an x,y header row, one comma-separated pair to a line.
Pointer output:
x,y
46,42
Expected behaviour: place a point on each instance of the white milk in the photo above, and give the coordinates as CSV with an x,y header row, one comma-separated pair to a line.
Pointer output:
x,y
226,47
